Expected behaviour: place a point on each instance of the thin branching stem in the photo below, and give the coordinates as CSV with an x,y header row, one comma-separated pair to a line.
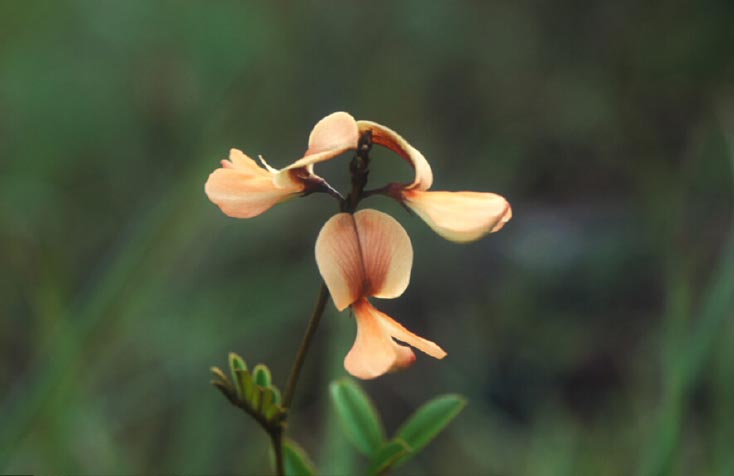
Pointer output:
x,y
313,323
276,438
359,169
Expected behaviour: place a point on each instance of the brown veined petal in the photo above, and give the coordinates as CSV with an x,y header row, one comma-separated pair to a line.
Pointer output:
x,y
331,136
386,137
339,259
386,251
242,189
460,216
365,254
374,352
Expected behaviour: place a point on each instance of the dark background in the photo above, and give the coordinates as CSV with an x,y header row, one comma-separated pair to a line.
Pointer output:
x,y
592,335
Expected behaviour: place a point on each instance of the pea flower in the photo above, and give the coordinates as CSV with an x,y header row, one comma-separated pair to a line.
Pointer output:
x,y
242,189
367,253
362,255
457,216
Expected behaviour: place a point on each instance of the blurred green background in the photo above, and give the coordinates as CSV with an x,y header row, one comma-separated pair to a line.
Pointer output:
x,y
592,335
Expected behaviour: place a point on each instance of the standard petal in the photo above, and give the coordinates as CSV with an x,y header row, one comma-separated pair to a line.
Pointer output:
x,y
374,352
331,136
365,254
386,252
242,189
386,137
460,216
339,259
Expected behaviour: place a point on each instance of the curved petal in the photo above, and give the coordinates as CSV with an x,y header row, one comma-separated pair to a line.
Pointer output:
x,y
386,252
374,352
396,330
460,216
339,259
242,189
386,137
337,131
365,254
331,136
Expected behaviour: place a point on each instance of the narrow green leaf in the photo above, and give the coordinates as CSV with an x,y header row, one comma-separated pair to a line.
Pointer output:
x,y
267,399
388,455
221,375
276,395
236,363
261,375
429,420
255,398
358,416
297,462
272,412
240,377
245,384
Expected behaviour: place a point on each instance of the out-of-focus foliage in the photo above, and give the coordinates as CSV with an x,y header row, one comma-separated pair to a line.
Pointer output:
x,y
592,335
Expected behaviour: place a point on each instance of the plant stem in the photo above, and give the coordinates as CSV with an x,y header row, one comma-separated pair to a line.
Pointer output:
x,y
276,438
359,168
276,434
313,323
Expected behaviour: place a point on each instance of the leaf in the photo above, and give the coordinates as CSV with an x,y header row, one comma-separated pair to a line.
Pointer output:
x,y
261,375
245,385
388,455
276,395
297,462
272,412
236,363
255,398
429,420
220,375
358,416
267,399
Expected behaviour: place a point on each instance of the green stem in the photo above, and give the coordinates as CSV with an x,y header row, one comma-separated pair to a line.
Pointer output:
x,y
276,438
313,323
359,168
276,434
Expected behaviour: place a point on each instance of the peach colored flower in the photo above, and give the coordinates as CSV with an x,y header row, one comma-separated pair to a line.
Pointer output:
x,y
362,255
243,189
456,216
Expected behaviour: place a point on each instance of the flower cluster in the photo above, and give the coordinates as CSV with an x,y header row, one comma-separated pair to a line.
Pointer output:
x,y
364,253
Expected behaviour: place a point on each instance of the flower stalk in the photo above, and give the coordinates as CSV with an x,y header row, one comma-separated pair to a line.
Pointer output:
x,y
313,323
359,169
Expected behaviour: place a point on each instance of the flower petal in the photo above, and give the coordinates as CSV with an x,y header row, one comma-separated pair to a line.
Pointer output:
x,y
386,251
386,137
337,131
242,189
331,136
339,259
365,254
396,330
460,216
374,352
